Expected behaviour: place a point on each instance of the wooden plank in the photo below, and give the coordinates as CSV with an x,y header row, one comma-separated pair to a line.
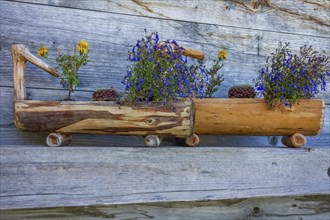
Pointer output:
x,y
11,136
303,207
297,16
49,177
110,36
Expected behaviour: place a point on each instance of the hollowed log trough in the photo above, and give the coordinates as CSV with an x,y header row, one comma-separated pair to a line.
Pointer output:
x,y
185,119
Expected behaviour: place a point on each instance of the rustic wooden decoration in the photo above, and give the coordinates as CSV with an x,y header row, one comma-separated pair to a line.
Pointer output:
x,y
252,117
105,118
20,55
295,141
212,116
65,118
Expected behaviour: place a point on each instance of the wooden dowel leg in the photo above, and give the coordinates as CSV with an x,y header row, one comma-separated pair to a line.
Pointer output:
x,y
58,140
192,141
152,141
295,141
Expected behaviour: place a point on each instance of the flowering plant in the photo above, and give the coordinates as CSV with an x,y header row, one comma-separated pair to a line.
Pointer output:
x,y
289,77
160,72
69,64
215,78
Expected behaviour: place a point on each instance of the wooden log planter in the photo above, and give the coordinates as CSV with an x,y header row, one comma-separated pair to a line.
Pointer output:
x,y
239,116
62,118
201,116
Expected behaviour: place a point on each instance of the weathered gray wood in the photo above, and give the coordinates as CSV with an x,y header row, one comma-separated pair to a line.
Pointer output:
x,y
295,16
110,36
307,207
11,136
37,176
76,176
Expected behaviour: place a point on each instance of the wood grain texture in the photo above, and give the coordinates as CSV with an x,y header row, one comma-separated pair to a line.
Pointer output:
x,y
77,176
244,116
284,208
296,16
110,36
102,117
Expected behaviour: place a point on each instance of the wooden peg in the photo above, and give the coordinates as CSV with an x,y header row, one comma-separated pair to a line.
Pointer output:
x,y
295,141
152,141
58,140
192,141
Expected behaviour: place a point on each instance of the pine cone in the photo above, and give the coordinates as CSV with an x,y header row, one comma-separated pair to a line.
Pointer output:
x,y
242,91
105,95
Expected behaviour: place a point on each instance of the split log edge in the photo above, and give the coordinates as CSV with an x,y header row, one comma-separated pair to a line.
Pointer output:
x,y
106,118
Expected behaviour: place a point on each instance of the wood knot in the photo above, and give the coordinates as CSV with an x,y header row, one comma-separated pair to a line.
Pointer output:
x,y
256,211
150,121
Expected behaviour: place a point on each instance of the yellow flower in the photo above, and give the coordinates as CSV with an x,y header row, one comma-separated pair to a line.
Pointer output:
x,y
43,52
83,46
222,54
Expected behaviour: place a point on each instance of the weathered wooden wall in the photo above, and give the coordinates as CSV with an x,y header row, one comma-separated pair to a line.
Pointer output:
x,y
88,174
249,30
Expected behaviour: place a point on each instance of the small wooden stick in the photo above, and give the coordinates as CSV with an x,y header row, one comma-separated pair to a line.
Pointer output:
x,y
295,141
58,140
197,54
22,51
21,54
152,141
189,52
192,141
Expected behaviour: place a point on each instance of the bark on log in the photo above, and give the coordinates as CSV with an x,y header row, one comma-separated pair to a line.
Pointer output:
x,y
105,118
20,55
252,117
295,141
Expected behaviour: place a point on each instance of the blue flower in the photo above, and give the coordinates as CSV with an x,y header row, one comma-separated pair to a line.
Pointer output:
x,y
260,88
156,38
